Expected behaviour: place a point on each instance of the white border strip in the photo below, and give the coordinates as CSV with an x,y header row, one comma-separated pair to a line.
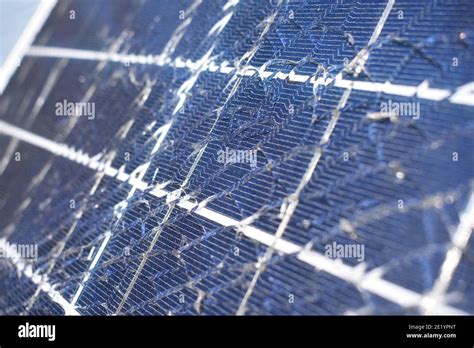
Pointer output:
x,y
422,91
21,47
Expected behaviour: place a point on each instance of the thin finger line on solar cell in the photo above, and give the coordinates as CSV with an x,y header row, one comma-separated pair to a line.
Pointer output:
x,y
41,280
370,281
422,91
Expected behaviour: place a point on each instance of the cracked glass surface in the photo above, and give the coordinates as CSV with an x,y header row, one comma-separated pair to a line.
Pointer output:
x,y
134,213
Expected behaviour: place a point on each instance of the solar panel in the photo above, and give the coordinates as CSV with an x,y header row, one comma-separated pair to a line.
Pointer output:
x,y
240,157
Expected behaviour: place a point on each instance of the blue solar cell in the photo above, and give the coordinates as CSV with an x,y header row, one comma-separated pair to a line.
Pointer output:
x,y
241,157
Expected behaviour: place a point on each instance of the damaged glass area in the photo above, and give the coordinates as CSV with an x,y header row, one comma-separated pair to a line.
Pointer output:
x,y
244,157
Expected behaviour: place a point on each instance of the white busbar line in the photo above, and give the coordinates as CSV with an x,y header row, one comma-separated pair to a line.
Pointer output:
x,y
371,281
289,206
422,91
41,281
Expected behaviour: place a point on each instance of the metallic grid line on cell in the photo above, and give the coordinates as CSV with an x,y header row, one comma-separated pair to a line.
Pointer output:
x,y
371,281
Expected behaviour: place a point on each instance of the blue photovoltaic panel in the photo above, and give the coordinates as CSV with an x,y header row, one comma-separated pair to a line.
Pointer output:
x,y
351,127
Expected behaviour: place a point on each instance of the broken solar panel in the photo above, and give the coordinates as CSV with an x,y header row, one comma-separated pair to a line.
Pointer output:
x,y
227,146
